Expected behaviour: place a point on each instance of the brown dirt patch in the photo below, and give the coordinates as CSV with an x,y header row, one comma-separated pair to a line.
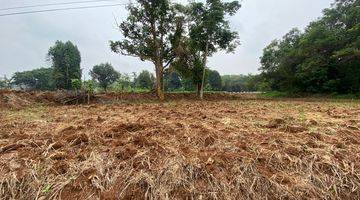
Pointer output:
x,y
239,149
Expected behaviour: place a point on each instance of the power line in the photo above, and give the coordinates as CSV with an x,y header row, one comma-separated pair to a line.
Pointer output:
x,y
59,9
55,4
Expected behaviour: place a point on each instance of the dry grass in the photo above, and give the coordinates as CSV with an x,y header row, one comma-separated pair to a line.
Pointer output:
x,y
182,150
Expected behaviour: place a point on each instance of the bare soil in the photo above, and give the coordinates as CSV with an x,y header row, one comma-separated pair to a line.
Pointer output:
x,y
180,149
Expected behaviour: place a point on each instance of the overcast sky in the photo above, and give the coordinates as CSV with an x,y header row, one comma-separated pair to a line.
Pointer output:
x,y
25,39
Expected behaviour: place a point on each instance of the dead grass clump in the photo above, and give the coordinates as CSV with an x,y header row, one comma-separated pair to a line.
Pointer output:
x,y
128,127
275,123
11,147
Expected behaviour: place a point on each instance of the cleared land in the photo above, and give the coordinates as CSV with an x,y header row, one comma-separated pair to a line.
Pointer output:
x,y
239,149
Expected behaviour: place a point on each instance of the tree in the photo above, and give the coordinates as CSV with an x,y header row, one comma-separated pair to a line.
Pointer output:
x,y
76,84
234,83
105,74
209,31
66,60
4,82
37,79
322,59
123,83
172,81
148,32
241,83
279,61
145,80
89,87
214,80
189,65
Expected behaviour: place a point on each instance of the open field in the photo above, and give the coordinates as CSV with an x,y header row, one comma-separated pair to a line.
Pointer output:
x,y
239,149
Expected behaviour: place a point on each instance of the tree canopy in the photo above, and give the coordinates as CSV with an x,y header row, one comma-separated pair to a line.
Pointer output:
x,y
37,79
145,80
172,81
148,34
214,80
104,74
4,82
205,32
324,58
66,60
183,36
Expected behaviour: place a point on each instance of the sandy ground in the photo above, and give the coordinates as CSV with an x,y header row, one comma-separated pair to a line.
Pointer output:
x,y
239,149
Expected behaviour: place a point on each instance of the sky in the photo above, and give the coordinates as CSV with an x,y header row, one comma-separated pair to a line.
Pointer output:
x,y
25,39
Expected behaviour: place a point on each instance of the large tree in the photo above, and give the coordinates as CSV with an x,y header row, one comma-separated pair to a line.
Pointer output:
x,y
209,30
148,34
104,74
66,60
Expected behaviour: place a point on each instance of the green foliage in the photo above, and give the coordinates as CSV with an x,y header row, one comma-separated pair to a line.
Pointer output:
x,y
323,59
37,79
4,83
104,74
123,83
188,84
172,81
148,34
205,32
190,67
76,84
89,86
275,94
242,83
66,60
145,80
209,26
214,80
47,189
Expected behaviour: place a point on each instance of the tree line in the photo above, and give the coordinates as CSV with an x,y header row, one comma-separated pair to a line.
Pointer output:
x,y
65,74
324,58
178,39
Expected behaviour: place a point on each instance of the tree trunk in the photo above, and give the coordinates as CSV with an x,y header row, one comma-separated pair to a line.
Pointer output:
x,y
198,89
203,75
68,86
159,85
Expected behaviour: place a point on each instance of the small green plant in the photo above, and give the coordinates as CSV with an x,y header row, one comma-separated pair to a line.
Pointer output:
x,y
47,189
302,116
89,86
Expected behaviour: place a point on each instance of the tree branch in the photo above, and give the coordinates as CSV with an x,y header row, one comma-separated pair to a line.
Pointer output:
x,y
169,62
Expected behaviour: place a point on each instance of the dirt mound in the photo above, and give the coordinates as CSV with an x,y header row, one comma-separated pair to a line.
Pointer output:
x,y
14,99
150,96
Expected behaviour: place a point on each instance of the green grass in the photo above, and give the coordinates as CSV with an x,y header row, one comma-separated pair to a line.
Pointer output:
x,y
277,94
345,96
274,94
29,113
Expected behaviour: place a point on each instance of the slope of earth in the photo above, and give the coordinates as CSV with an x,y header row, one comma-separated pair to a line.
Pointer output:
x,y
19,99
241,149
